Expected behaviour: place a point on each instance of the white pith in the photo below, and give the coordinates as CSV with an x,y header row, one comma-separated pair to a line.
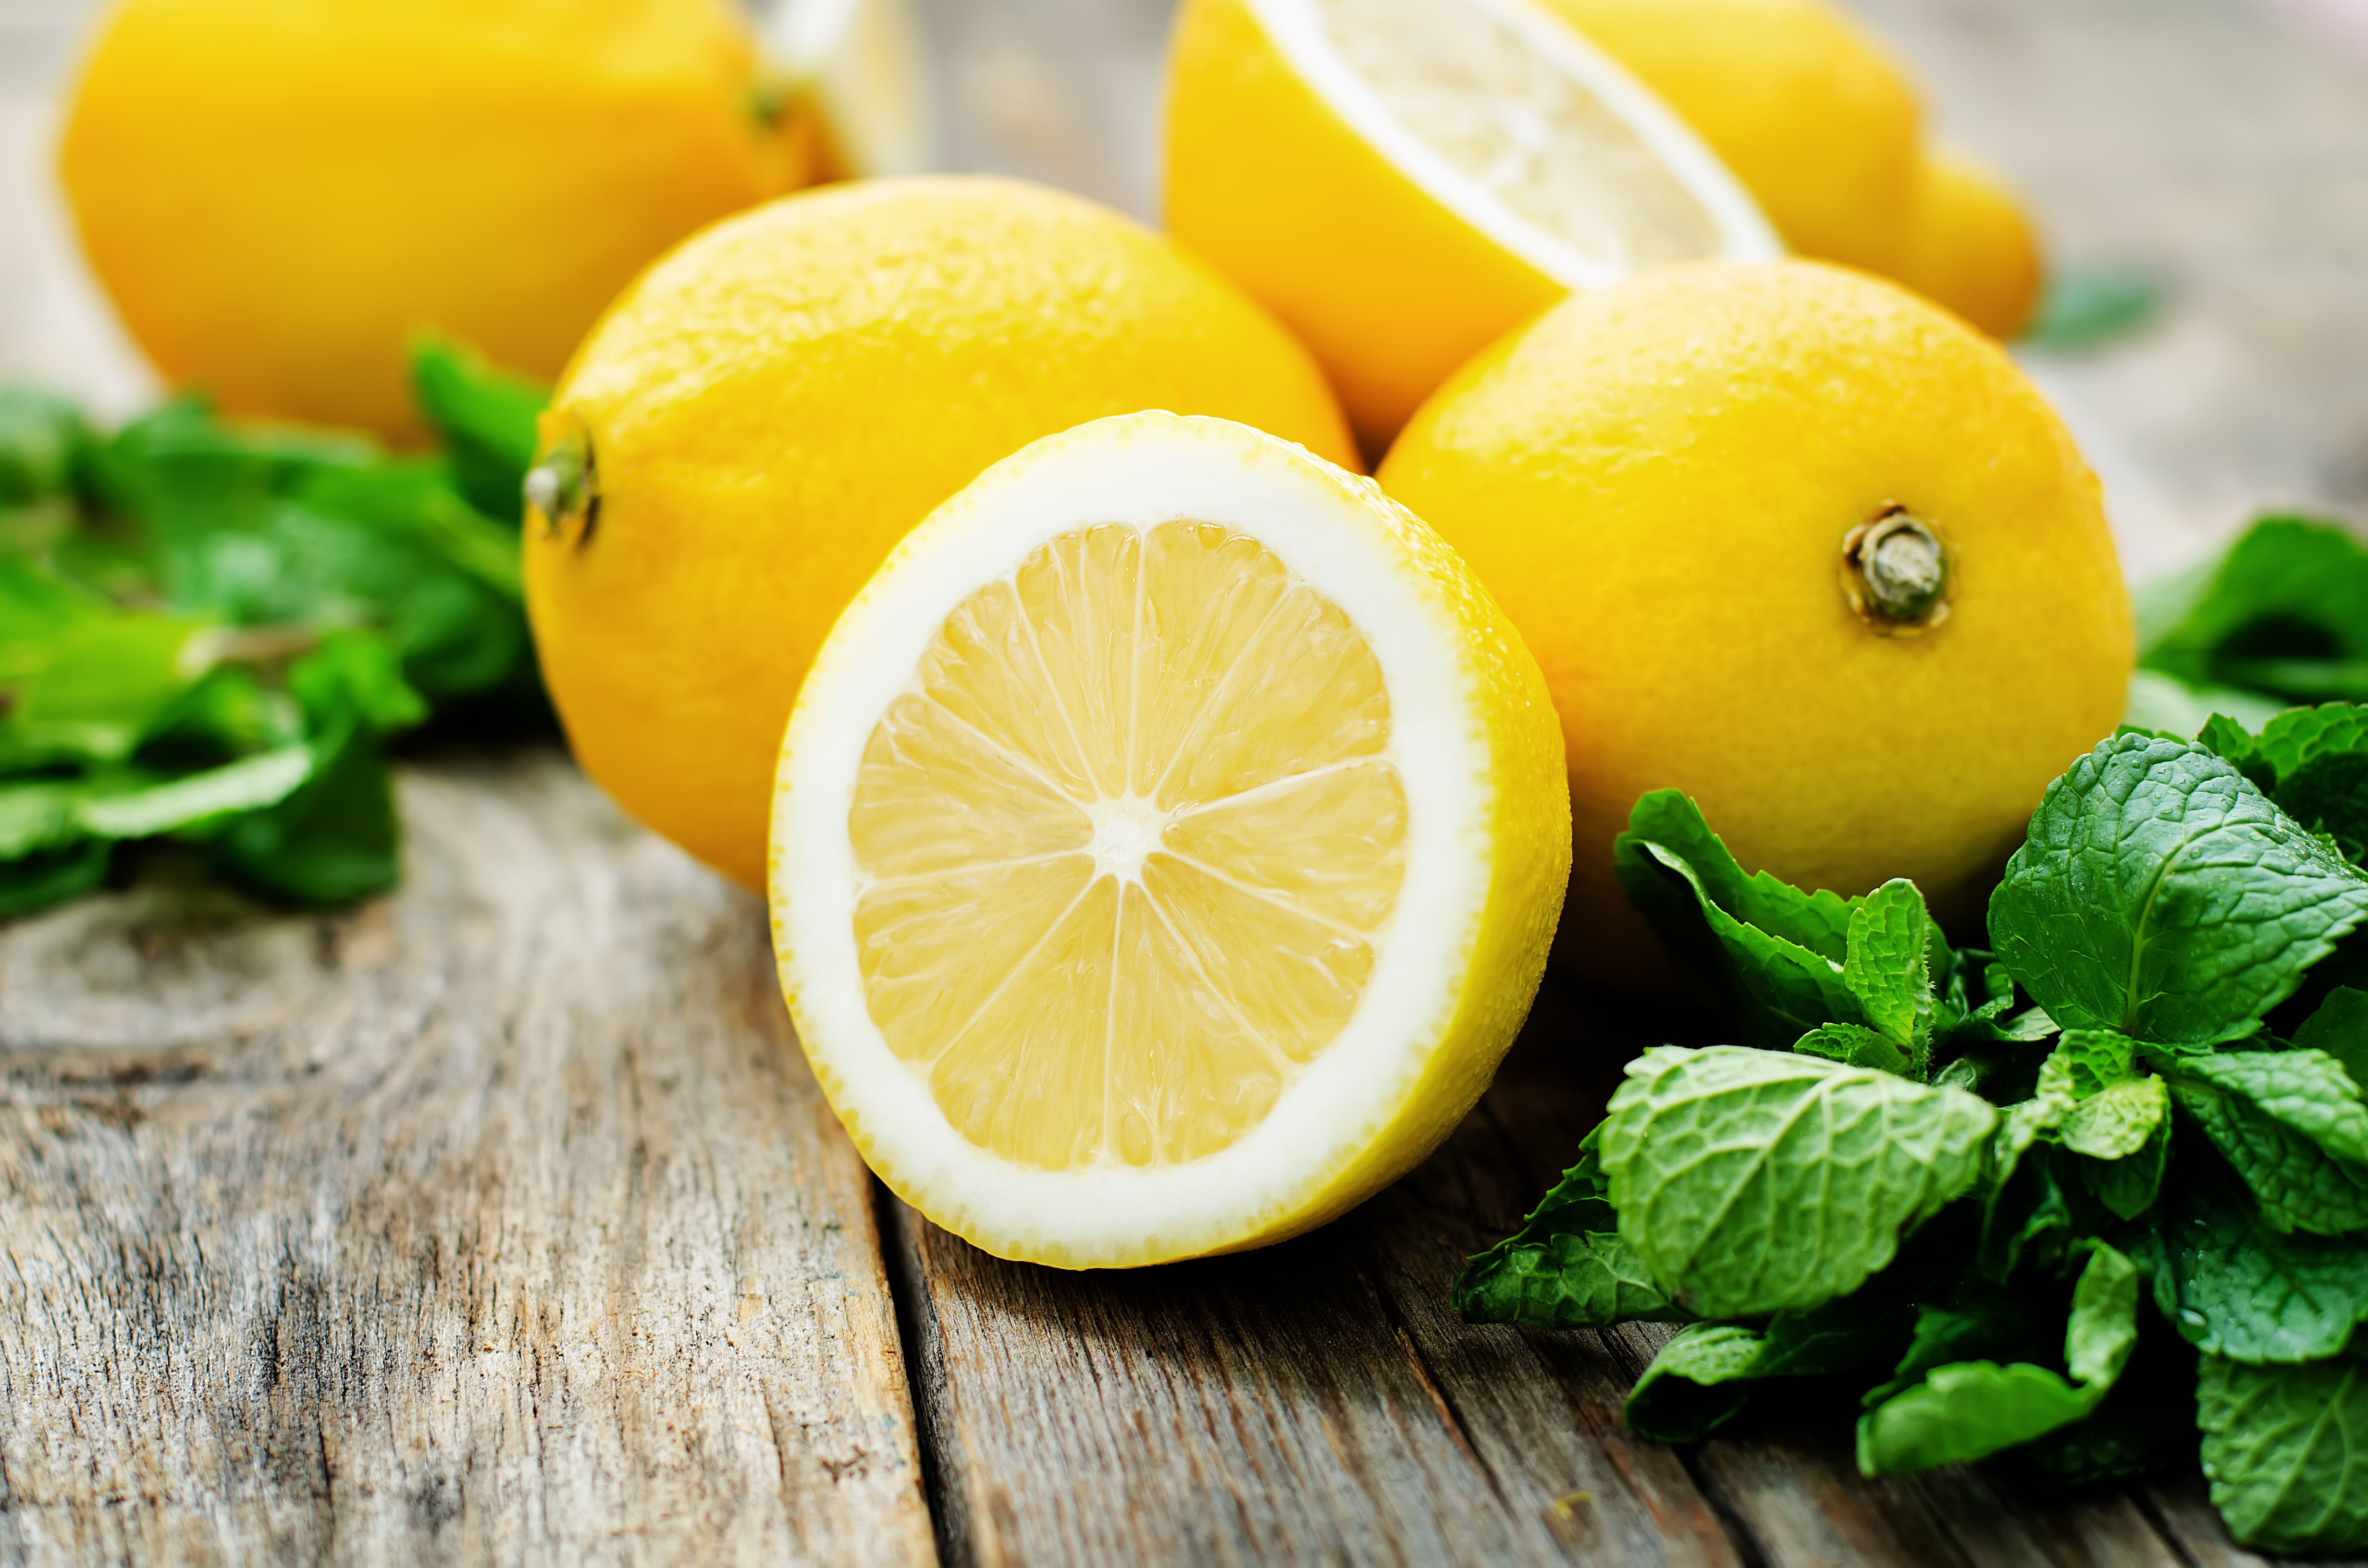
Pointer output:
x,y
1298,32
1141,471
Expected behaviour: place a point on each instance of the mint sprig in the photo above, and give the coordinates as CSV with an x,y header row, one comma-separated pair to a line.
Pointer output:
x,y
209,632
2030,1202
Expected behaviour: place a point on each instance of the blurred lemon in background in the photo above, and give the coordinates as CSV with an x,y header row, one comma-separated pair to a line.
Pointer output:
x,y
279,193
770,409
1826,130
1401,181
1791,539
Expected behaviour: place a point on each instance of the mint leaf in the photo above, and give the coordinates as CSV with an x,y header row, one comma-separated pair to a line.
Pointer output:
x,y
2312,763
43,440
1754,1182
1817,921
485,418
2291,1124
1702,1378
246,784
50,877
2286,1449
1969,1410
2235,1287
2285,611
1856,1046
2160,894
1567,1266
2339,1027
1888,970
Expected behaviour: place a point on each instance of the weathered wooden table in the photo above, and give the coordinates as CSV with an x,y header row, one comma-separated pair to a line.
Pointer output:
x,y
501,1220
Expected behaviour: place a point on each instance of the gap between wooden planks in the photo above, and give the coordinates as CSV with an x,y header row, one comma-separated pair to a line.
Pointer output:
x,y
501,1221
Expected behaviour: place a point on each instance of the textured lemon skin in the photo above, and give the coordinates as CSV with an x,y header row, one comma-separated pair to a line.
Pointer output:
x,y
1390,289
1526,829
279,193
1813,116
1974,250
1655,482
776,403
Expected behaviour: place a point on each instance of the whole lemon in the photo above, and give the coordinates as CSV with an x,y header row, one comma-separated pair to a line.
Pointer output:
x,y
760,419
279,193
1792,539
1974,251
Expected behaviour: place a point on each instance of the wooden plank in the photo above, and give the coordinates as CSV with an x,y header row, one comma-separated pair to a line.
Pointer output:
x,y
1314,1401
498,1220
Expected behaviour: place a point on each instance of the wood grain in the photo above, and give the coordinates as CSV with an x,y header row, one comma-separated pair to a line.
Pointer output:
x,y
498,1222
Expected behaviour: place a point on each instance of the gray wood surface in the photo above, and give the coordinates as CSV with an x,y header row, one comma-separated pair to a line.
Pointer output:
x,y
500,1221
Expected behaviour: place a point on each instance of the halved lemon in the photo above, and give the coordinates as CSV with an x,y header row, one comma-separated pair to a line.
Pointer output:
x,y
1165,848
1402,181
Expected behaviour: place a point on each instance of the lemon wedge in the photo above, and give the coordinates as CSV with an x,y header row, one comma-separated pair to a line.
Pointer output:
x,y
1496,158
1165,848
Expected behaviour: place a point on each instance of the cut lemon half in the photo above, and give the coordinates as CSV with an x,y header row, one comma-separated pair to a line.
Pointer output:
x,y
1165,848
1402,181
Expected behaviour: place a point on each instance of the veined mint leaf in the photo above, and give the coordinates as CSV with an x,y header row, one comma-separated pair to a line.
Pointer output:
x,y
2116,1122
1969,1410
2234,1287
486,418
2286,1449
1887,967
1567,1266
1754,1182
2162,895
2291,1124
2312,762
1817,921
1857,1047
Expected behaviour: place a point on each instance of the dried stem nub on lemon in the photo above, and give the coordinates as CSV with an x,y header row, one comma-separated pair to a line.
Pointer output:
x,y
1165,848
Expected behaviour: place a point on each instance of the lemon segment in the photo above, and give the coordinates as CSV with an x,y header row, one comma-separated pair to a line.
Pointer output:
x,y
1486,149
1165,848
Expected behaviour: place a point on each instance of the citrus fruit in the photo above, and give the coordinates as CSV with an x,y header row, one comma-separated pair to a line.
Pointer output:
x,y
1974,251
1814,116
1796,541
770,408
1166,846
1401,181
279,193
852,70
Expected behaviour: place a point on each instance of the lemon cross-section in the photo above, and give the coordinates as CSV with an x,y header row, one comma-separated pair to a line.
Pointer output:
x,y
1127,847
1472,84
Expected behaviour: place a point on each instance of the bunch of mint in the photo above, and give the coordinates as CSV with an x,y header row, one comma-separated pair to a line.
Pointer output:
x,y
2280,618
1943,1184
208,631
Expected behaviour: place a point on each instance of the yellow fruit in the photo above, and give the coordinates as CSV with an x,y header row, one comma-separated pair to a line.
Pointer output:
x,y
1166,846
853,69
1974,251
770,408
1661,483
279,193
1401,181
1810,114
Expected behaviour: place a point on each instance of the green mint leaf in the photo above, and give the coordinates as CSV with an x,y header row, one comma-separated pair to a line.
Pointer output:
x,y
197,798
1702,1378
1989,1324
2339,1027
2093,1060
38,815
1886,969
100,686
2291,1124
2160,894
2087,307
2284,611
1772,986
1856,1046
2235,1287
485,418
335,840
2128,1184
1567,1266
1968,1410
2286,1449
43,442
1754,1182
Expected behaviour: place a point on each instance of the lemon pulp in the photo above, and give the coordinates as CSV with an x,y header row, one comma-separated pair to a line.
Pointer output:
x,y
1466,82
1126,846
